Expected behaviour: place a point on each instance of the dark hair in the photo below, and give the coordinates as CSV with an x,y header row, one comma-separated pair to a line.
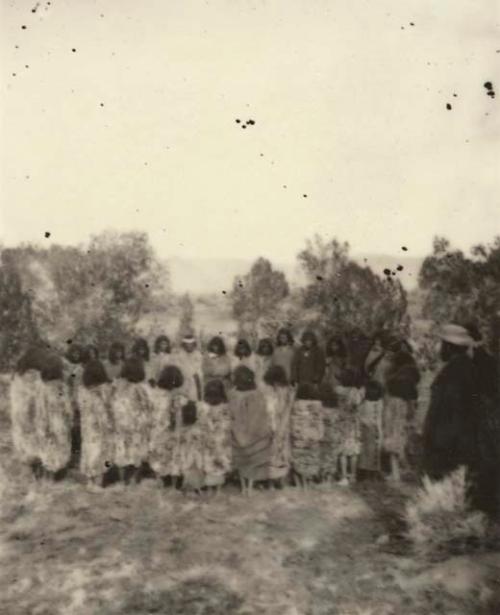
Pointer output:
x,y
141,345
289,337
33,358
189,414
94,373
214,392
341,347
114,349
170,378
309,335
159,340
133,370
276,376
75,354
450,350
52,368
242,348
474,331
216,345
265,347
244,379
328,396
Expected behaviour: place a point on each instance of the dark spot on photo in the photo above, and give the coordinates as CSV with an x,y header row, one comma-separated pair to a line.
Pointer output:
x,y
387,272
237,121
305,196
488,85
224,292
107,464
404,248
400,267
102,104
73,50
319,278
455,95
448,106
47,234
23,27
284,185
146,285
69,341
251,122
243,126
14,74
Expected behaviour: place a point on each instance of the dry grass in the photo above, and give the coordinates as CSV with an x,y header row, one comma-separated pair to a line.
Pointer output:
x,y
66,549
440,520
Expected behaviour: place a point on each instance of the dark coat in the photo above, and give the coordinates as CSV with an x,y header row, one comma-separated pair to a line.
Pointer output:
x,y
450,429
485,492
308,366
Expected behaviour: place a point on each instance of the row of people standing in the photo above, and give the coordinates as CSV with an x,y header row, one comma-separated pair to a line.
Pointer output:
x,y
304,365
330,418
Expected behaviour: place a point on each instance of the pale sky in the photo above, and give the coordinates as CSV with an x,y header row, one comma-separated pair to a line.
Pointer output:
x,y
349,103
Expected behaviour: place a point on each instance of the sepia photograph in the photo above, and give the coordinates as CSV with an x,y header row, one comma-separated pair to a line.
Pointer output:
x,y
249,307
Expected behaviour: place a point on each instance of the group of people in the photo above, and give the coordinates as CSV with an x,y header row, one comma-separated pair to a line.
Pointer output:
x,y
199,416
285,410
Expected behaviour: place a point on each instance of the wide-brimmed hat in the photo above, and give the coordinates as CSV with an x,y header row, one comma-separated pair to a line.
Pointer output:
x,y
455,334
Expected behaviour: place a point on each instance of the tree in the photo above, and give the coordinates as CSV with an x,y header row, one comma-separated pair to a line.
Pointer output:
x,y
341,296
18,327
256,298
91,294
460,288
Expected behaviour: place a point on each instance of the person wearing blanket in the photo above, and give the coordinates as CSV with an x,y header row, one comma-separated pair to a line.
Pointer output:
x,y
214,413
279,398
96,422
41,413
131,410
165,424
251,430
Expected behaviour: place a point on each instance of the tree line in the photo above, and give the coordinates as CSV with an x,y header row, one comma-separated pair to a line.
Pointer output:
x,y
100,291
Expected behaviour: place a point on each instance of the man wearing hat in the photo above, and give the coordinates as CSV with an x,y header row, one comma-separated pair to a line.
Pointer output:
x,y
450,425
485,492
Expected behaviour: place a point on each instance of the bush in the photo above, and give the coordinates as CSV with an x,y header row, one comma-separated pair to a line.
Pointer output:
x,y
342,296
440,520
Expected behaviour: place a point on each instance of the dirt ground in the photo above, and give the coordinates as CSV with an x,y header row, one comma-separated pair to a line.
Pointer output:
x,y
69,549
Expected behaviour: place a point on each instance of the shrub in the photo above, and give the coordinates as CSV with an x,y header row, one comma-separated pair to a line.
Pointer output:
x,y
440,520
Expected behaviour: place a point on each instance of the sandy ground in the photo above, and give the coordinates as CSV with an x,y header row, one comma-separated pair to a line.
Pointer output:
x,y
69,549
